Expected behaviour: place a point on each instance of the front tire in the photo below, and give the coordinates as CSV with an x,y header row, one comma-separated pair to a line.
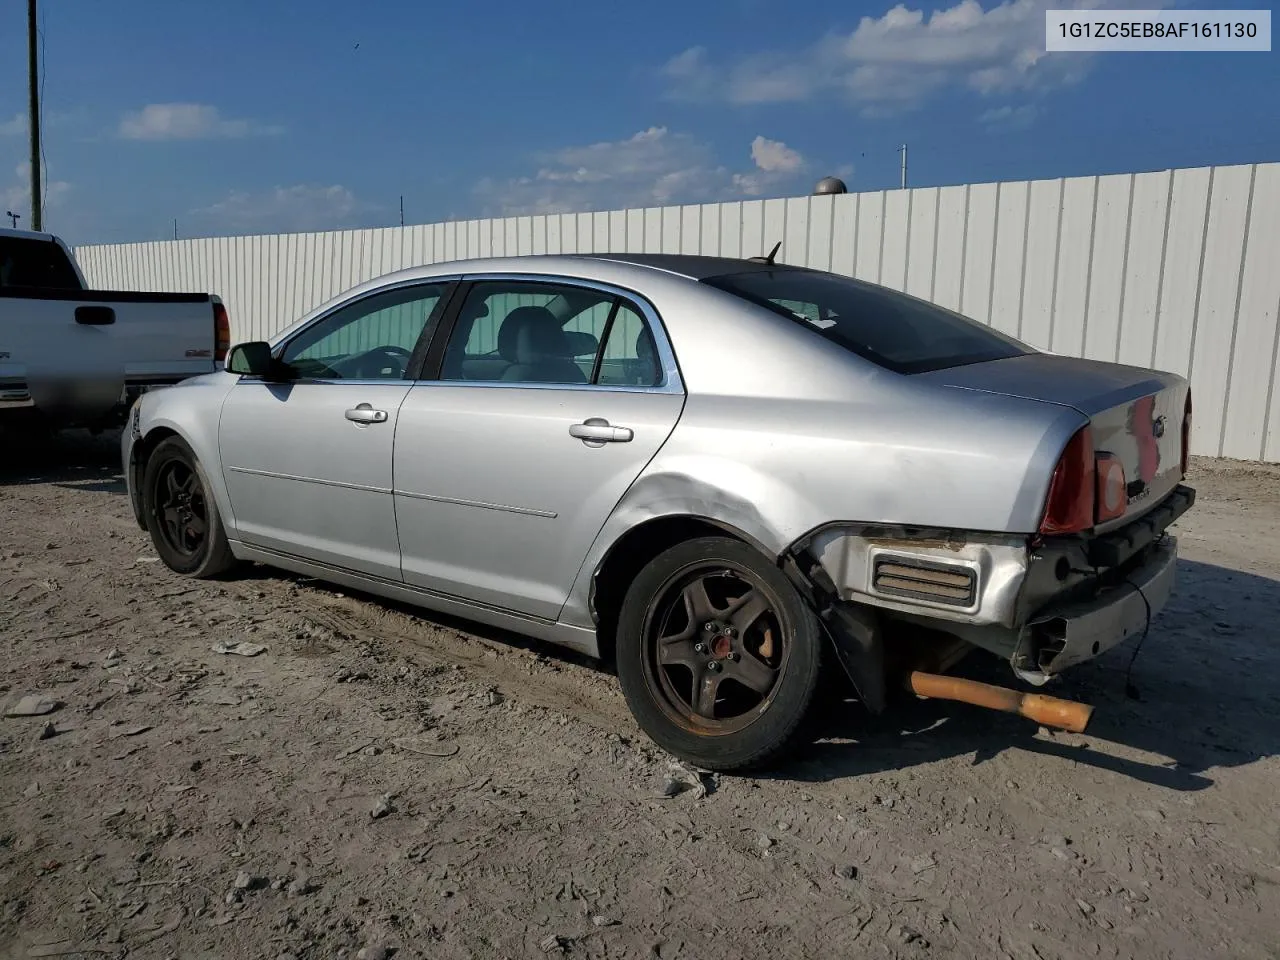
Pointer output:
x,y
718,655
181,513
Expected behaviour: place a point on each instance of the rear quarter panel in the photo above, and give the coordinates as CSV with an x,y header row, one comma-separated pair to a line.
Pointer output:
x,y
784,432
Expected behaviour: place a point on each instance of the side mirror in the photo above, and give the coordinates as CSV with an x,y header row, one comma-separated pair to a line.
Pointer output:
x,y
251,359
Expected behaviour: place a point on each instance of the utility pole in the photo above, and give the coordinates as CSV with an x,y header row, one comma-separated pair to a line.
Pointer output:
x,y
33,116
903,150
13,218
402,209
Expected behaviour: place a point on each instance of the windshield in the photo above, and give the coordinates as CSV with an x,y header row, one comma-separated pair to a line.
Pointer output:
x,y
891,329
35,263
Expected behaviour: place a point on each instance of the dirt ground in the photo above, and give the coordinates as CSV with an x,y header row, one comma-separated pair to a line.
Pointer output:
x,y
380,784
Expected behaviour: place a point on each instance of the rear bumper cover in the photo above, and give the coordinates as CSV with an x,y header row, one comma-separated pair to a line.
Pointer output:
x,y
1063,635
1044,604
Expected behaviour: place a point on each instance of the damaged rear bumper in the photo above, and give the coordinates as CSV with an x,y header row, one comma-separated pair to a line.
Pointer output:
x,y
1044,605
1063,635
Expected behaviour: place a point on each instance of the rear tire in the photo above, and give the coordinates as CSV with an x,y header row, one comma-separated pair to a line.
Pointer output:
x,y
181,513
718,655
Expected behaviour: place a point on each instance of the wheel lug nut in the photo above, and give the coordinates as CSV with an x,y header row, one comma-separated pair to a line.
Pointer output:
x,y
709,627
733,657
699,648
714,666
730,632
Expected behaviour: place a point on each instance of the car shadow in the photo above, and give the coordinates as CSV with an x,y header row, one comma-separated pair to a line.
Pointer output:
x,y
72,458
1206,678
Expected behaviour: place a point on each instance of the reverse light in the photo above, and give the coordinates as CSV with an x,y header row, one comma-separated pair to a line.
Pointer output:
x,y
1069,507
1186,434
221,332
1112,488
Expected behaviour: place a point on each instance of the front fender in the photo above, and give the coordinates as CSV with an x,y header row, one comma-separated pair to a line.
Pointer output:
x,y
190,410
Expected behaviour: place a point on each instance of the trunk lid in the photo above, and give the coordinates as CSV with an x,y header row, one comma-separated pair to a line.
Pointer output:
x,y
1135,414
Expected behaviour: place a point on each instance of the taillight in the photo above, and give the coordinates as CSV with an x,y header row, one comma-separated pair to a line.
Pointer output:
x,y
1069,506
1186,434
1113,495
221,332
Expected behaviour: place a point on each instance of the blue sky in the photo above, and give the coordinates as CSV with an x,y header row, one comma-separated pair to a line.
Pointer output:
x,y
258,117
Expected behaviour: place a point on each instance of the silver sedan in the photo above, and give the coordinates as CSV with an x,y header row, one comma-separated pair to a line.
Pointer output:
x,y
734,479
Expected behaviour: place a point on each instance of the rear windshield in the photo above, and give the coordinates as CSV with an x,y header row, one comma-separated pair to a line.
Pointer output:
x,y
888,328
35,263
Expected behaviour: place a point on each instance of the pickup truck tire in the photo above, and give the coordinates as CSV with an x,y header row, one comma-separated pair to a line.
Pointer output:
x,y
182,515
718,655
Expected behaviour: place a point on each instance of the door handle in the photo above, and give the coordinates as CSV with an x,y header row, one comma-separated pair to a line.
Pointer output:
x,y
595,431
364,413
95,316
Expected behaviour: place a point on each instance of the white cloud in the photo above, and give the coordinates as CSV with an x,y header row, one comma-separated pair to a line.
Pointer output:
x,y
1009,116
186,121
298,208
15,127
16,195
653,167
896,60
774,156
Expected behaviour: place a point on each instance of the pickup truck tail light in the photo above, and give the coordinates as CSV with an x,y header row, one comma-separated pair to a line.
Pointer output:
x,y
1069,507
1186,434
221,332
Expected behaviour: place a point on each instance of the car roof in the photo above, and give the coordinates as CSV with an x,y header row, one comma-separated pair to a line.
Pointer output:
x,y
694,266
26,234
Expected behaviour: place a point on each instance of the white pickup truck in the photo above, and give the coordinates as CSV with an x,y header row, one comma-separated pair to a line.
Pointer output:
x,y
74,357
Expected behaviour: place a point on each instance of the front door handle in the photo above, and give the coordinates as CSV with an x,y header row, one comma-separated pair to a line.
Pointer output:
x,y
596,431
364,413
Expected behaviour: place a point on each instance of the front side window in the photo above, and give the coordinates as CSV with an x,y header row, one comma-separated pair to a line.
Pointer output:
x,y
532,332
891,329
372,339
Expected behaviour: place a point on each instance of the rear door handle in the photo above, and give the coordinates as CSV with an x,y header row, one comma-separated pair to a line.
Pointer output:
x,y
597,430
364,413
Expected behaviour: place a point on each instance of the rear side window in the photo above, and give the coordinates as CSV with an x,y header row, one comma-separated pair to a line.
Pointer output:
x,y
888,328
35,263
522,331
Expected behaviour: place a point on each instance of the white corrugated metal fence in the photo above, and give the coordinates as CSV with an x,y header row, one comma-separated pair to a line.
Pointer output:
x,y
1178,269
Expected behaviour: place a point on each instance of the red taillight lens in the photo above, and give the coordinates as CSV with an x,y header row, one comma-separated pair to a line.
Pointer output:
x,y
221,332
1069,506
1112,495
1186,434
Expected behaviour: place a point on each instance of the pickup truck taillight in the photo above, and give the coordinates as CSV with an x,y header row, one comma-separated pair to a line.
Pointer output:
x,y
1186,434
221,332
1069,507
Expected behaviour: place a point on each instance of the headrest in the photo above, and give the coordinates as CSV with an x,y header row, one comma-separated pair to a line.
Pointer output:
x,y
529,334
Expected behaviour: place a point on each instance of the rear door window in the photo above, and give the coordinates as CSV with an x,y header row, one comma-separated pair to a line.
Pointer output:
x,y
518,331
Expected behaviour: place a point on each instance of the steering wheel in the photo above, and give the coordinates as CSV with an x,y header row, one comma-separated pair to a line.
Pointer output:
x,y
367,364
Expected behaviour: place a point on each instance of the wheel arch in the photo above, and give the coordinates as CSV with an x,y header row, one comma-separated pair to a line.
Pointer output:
x,y
634,550
159,430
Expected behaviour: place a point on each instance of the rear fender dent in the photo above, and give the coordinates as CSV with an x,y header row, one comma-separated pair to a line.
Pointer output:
x,y
996,565
854,630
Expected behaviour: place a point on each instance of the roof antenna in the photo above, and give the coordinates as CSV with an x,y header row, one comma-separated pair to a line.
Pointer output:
x,y
772,253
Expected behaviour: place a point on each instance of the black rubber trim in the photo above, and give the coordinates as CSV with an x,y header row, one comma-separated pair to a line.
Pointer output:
x,y
1115,548
102,296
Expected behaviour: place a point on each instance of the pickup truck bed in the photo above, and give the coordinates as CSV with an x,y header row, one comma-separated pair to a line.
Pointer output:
x,y
71,356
